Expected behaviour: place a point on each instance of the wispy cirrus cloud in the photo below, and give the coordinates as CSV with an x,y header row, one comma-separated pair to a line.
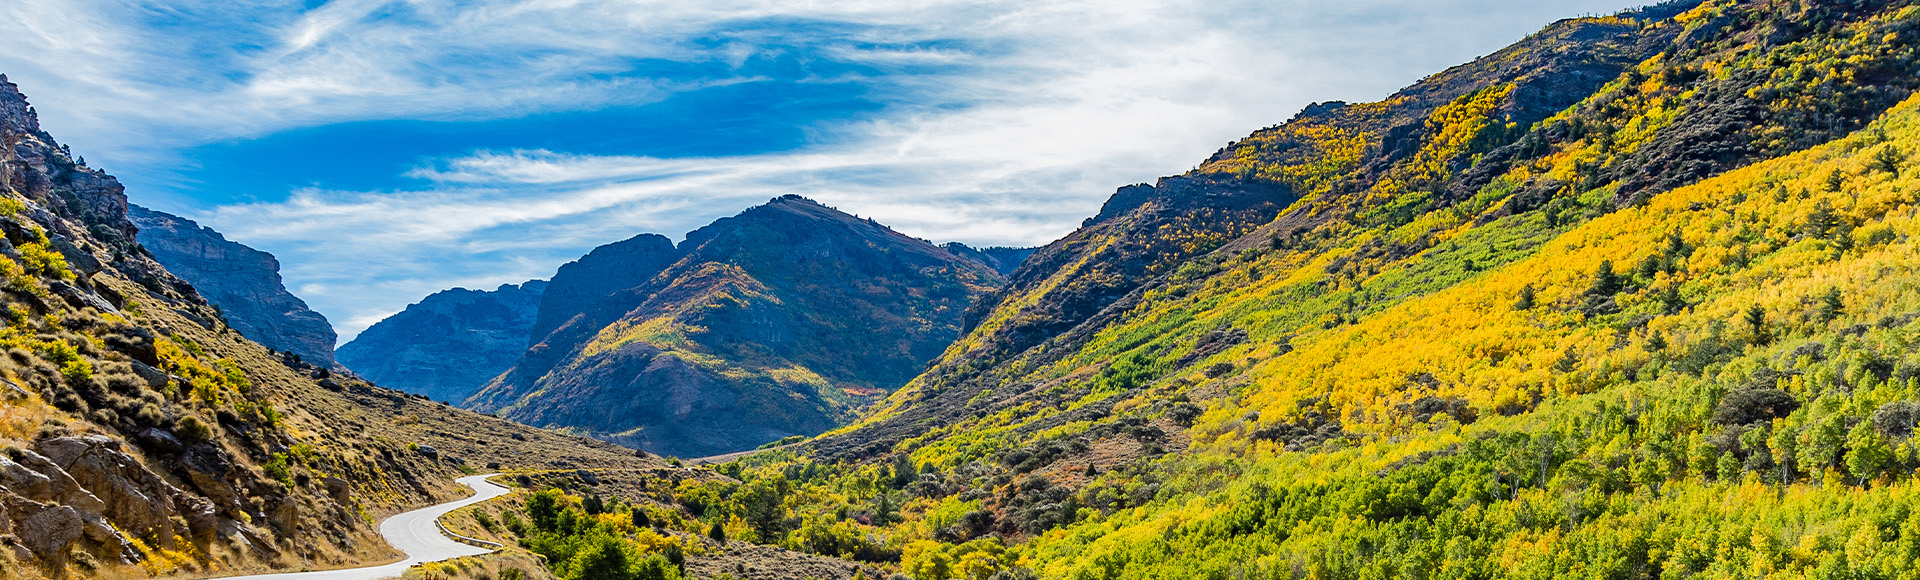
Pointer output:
x,y
989,122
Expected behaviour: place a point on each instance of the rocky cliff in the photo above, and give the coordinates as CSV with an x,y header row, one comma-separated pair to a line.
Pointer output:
x,y
449,344
140,434
582,284
771,323
244,283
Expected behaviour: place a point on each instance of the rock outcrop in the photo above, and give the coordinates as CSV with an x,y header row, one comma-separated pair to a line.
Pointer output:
x,y
581,284
242,281
772,323
449,344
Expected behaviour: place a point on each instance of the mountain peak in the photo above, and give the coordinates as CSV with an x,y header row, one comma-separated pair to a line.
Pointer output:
x,y
16,115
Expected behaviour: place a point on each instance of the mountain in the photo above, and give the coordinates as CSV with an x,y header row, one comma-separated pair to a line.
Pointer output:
x,y
242,282
582,284
450,343
1630,298
1002,259
769,324
141,435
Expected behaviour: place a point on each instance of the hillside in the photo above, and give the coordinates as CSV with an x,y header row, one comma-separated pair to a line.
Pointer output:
x,y
449,344
1630,298
142,435
772,323
242,282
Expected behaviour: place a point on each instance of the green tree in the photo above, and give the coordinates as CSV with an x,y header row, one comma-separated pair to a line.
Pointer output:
x,y
1527,296
544,509
1889,159
1671,302
1831,306
1606,282
611,558
1757,329
1821,222
1867,454
717,532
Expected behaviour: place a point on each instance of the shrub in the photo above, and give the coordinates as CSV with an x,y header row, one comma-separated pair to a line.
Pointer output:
x,y
1750,406
193,430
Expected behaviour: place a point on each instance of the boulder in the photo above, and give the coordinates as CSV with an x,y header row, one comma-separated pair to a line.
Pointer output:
x,y
62,488
203,518
207,467
78,258
285,517
160,439
50,532
154,377
23,481
339,489
79,298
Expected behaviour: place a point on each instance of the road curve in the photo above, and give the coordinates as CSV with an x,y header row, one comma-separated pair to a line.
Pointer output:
x,y
412,532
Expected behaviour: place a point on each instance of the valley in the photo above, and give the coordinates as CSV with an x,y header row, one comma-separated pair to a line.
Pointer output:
x,y
1633,297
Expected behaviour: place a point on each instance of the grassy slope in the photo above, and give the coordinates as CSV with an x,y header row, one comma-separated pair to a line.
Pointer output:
x,y
1399,302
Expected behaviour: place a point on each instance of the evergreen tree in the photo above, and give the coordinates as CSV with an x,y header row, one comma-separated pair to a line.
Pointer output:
x,y
1525,302
1831,307
1606,282
1888,159
1757,326
718,533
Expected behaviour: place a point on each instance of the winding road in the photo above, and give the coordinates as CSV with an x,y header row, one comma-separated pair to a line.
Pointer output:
x,y
414,533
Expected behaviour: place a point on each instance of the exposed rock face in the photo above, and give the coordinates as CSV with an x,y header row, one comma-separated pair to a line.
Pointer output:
x,y
242,281
135,498
450,343
772,323
582,283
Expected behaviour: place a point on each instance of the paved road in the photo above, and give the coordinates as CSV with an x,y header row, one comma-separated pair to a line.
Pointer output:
x,y
415,534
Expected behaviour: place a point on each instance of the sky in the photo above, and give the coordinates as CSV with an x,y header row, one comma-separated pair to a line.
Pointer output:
x,y
386,150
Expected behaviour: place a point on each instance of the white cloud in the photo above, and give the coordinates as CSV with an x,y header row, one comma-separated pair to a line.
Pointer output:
x,y
1006,121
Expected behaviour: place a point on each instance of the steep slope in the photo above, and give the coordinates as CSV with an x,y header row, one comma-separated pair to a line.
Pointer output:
x,y
1633,298
450,343
774,323
579,286
139,434
242,282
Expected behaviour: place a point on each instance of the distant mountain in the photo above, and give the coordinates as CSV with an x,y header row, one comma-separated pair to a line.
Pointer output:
x,y
1002,259
772,323
450,343
243,282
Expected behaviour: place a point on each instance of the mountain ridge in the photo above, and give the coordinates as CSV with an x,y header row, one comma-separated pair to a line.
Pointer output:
x,y
752,297
244,282
450,343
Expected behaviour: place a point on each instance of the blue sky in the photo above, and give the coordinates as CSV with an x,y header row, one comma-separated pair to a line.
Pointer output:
x,y
385,150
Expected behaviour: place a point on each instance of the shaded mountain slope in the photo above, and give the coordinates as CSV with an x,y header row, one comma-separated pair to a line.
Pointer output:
x,y
772,323
243,282
1002,259
450,343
